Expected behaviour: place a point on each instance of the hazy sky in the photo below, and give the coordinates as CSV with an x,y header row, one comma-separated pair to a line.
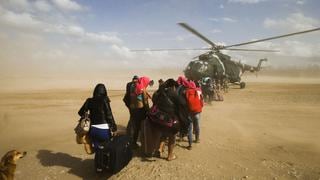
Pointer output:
x,y
53,36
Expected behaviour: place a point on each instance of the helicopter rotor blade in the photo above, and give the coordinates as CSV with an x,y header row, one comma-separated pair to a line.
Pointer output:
x,y
270,38
254,50
195,32
184,49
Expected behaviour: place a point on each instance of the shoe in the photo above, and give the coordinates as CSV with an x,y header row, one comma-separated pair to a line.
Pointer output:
x,y
197,141
189,147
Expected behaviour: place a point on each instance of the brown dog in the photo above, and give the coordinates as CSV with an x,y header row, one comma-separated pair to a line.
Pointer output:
x,y
8,164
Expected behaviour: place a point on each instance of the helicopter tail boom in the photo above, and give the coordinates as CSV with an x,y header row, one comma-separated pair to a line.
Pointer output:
x,y
258,68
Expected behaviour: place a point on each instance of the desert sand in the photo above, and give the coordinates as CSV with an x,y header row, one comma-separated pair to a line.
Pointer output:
x,y
269,130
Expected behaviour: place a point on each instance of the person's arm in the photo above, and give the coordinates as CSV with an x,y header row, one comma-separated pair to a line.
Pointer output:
x,y
84,108
182,112
111,121
201,100
149,96
145,99
126,98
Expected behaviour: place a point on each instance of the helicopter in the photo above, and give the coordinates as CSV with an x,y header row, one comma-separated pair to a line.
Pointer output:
x,y
219,66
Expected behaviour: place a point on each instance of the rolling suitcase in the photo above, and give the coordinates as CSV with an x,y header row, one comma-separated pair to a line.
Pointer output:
x,y
114,155
100,158
119,153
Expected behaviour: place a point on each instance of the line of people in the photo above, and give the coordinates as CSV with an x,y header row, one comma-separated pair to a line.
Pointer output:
x,y
176,108
212,89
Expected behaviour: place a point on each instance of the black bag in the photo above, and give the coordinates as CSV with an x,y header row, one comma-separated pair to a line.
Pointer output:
x,y
114,155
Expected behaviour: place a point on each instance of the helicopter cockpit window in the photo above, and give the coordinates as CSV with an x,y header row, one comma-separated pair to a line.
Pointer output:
x,y
203,57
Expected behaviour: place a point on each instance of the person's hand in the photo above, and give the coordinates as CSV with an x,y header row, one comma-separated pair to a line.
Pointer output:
x,y
114,128
114,133
151,83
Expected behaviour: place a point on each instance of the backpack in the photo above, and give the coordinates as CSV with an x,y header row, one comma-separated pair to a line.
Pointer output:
x,y
194,100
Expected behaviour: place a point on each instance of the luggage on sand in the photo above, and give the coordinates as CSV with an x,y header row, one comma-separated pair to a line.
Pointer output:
x,y
113,155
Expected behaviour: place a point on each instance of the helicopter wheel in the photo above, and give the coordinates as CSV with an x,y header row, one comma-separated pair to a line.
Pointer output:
x,y
242,85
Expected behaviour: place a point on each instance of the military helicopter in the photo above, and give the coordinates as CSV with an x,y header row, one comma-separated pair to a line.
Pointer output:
x,y
219,66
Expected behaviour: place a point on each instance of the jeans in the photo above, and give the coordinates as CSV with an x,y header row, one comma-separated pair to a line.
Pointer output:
x,y
99,136
195,123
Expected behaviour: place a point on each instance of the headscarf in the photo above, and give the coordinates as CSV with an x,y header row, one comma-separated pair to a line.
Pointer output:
x,y
184,82
192,85
135,77
170,83
100,91
142,83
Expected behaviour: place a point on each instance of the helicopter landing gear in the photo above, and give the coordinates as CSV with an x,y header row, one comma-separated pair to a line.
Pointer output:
x,y
225,85
242,85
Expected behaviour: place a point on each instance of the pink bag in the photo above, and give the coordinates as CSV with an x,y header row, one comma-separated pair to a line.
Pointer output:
x,y
160,117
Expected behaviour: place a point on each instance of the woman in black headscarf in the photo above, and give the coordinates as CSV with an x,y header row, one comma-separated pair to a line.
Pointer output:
x,y
170,107
100,114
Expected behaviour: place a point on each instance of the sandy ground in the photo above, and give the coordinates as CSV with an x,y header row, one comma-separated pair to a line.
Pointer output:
x,y
266,131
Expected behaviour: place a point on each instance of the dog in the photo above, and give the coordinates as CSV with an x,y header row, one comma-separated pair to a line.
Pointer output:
x,y
8,164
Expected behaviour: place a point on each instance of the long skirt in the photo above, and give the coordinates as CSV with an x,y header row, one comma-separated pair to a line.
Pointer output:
x,y
152,136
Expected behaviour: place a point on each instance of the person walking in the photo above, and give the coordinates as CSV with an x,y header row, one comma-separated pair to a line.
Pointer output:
x,y
102,120
130,91
164,120
195,104
139,106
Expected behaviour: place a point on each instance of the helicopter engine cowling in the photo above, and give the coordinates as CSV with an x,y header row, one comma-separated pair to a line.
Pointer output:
x,y
210,66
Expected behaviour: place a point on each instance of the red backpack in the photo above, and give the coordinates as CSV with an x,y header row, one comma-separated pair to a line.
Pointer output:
x,y
194,100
